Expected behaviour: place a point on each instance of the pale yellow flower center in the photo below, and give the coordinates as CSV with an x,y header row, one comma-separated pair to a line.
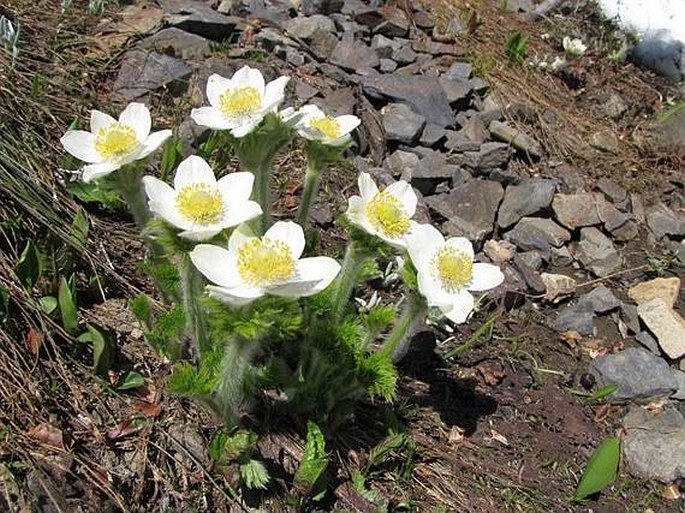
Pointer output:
x,y
386,214
453,267
116,141
263,262
328,126
202,203
240,101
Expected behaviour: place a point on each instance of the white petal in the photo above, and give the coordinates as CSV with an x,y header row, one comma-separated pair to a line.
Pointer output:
x,y
241,213
193,170
137,116
100,120
152,142
211,117
339,141
460,309
246,126
430,289
309,112
355,209
199,234
217,264
216,86
248,77
404,192
348,123
240,236
290,233
236,187
485,277
367,187
81,144
237,297
157,190
274,92
313,275
461,244
422,243
95,171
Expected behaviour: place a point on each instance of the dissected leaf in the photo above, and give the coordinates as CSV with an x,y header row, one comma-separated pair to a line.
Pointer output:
x,y
314,461
131,380
600,470
254,474
67,307
29,267
103,349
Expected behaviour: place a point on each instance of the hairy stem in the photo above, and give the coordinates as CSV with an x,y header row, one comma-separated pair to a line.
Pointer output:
x,y
355,258
312,180
191,289
236,367
397,343
262,193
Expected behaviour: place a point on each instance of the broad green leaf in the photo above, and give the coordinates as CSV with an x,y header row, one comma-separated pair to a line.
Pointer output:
x,y
171,156
103,349
91,193
315,459
603,392
600,470
67,307
80,226
29,268
48,304
131,380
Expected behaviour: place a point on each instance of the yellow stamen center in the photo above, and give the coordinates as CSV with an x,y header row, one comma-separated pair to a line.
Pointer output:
x,y
386,214
263,262
328,126
202,203
116,141
240,101
454,268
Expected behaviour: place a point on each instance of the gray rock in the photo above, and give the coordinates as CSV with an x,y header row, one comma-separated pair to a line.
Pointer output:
x,y
423,93
469,209
432,135
309,7
142,72
640,375
605,140
597,253
630,317
613,107
479,85
422,19
599,300
323,44
338,103
612,190
459,71
525,199
387,65
489,156
654,445
505,177
459,177
625,232
404,55
401,123
427,45
560,257
304,27
518,139
458,142
573,318
457,91
666,324
294,57
663,221
680,378
353,55
532,259
395,22
649,342
575,210
537,233
304,91
180,43
199,18
612,217
384,46
474,130
400,161
529,274
431,171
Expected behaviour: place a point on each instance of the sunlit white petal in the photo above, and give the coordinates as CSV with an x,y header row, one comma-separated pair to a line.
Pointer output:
x,y
152,142
240,236
193,170
93,172
485,277
237,297
236,186
460,309
289,233
81,144
100,120
216,86
212,118
367,187
137,116
217,264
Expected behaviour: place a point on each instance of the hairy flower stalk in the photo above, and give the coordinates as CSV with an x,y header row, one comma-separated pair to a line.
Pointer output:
x,y
192,288
355,257
397,343
127,182
235,369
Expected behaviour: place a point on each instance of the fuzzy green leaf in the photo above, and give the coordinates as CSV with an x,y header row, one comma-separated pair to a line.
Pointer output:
x,y
254,474
141,308
91,193
103,349
314,461
29,267
48,304
67,307
131,380
600,470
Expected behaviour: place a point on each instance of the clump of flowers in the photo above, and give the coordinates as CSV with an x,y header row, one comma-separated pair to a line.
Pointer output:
x,y
573,47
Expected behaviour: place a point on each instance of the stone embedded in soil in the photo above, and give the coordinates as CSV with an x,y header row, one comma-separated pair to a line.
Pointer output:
x,y
574,318
424,93
613,107
666,324
605,140
557,286
179,43
499,251
537,233
518,139
597,253
353,55
304,27
640,375
575,210
142,72
612,217
459,71
199,18
649,342
560,257
529,274
612,190
663,221
679,394
666,289
457,91
654,444
401,123
469,209
525,199
490,156
599,300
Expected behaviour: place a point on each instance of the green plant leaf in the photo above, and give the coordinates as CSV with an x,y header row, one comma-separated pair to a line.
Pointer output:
x,y
48,304
171,156
67,307
103,349
254,474
29,267
603,392
91,193
600,470
80,226
314,461
131,380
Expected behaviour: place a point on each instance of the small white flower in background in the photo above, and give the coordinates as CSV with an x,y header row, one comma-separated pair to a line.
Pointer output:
x,y
446,271
254,266
385,214
111,144
573,47
199,204
9,35
240,103
364,305
557,64
315,125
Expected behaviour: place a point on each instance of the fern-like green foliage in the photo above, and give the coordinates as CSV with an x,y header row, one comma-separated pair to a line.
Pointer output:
x,y
378,319
142,309
190,381
314,460
168,330
371,495
380,375
164,273
254,474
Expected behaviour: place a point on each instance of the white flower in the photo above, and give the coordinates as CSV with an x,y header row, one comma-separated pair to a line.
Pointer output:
x,y
385,214
111,144
240,103
253,266
573,47
446,271
329,130
199,204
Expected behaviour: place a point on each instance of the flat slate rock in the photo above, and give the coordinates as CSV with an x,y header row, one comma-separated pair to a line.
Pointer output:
x,y
177,43
142,72
640,375
354,56
537,233
666,324
469,209
597,253
489,156
575,210
522,200
402,123
575,318
304,27
518,139
663,221
424,93
599,300
199,18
